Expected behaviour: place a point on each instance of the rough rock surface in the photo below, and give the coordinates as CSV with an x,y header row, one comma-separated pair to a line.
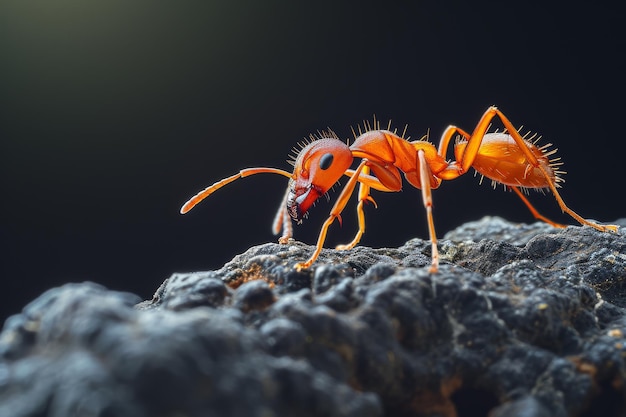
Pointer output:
x,y
521,320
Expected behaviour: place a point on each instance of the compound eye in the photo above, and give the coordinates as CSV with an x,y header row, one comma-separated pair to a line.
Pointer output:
x,y
326,160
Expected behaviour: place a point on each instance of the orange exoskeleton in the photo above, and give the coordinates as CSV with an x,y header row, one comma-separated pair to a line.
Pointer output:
x,y
506,158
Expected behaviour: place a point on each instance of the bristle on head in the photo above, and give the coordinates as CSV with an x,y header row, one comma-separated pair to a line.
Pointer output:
x,y
306,141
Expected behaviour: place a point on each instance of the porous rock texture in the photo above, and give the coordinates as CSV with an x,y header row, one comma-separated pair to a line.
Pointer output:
x,y
521,320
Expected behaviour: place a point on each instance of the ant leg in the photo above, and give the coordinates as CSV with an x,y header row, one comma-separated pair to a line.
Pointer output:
x,y
601,227
534,211
364,195
282,221
531,158
447,136
425,176
335,213
474,142
360,232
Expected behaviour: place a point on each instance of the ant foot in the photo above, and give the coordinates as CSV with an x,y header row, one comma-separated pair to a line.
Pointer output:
x,y
345,247
302,265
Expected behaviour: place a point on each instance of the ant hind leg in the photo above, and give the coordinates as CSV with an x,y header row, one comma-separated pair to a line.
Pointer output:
x,y
534,211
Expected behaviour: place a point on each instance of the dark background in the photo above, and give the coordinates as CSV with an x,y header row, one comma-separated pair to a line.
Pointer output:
x,y
113,113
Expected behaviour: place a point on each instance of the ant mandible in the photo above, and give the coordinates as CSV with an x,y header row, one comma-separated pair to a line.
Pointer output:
x,y
506,158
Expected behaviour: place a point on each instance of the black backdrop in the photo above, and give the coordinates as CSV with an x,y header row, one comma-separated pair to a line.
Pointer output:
x,y
115,112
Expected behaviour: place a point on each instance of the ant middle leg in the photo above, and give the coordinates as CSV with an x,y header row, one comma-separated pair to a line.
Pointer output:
x,y
427,199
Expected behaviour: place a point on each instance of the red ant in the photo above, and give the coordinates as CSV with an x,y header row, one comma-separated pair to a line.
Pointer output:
x,y
506,158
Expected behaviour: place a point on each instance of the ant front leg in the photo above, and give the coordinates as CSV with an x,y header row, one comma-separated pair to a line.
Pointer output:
x,y
335,213
282,221
367,182
364,195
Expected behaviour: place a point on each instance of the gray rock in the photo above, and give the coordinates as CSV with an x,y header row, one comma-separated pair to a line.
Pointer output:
x,y
521,320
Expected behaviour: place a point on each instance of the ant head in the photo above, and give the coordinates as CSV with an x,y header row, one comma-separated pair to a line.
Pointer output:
x,y
317,168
